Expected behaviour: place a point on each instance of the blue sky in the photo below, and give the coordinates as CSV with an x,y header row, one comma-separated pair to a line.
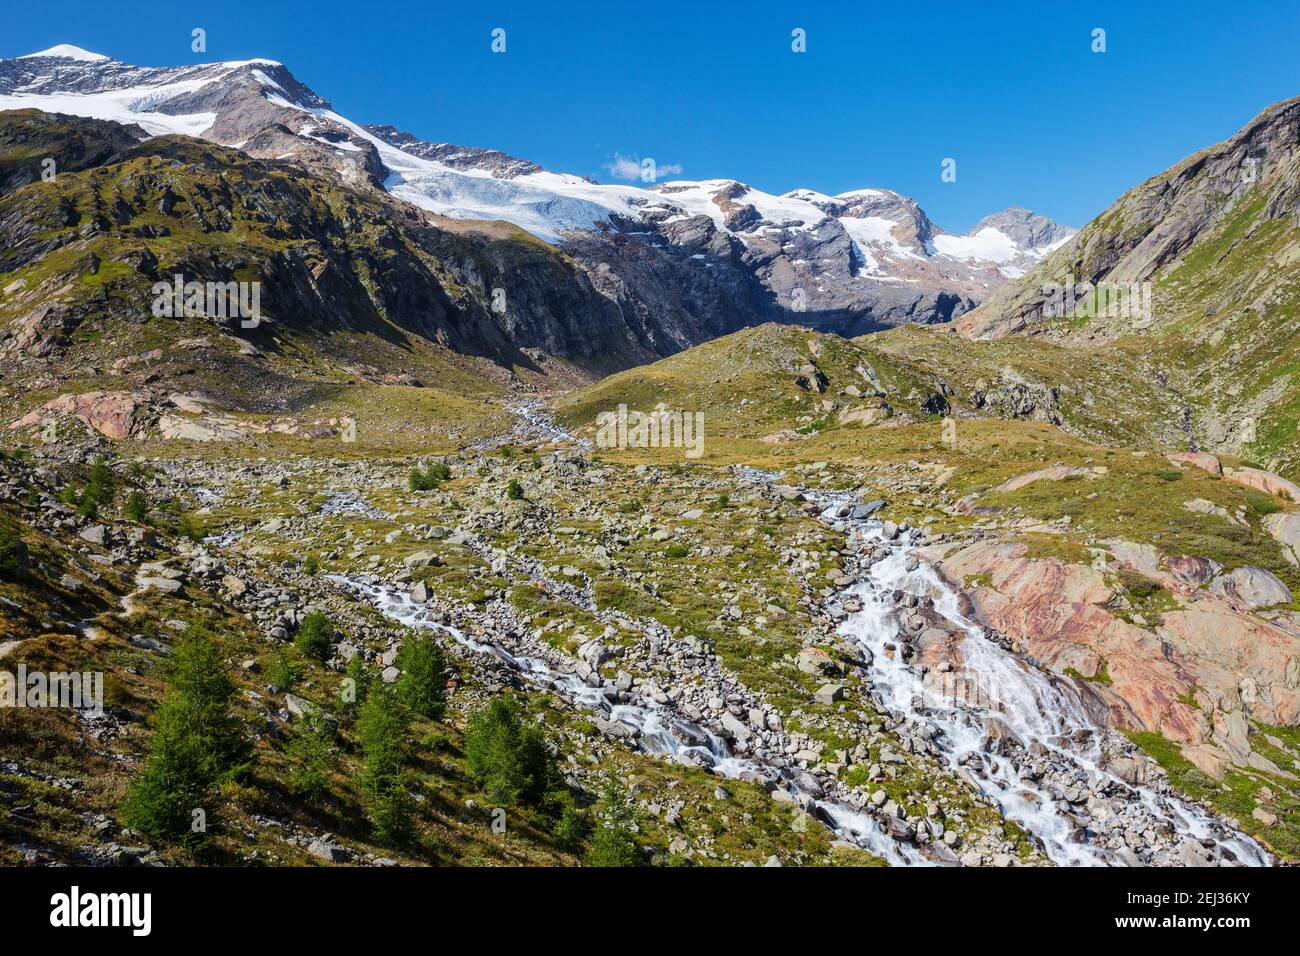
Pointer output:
x,y
884,93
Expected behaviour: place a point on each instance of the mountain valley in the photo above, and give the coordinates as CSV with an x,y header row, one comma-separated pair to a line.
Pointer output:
x,y
952,580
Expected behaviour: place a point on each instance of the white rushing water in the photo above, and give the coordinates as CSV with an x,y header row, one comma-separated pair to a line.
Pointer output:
x,y
992,685
662,731
955,710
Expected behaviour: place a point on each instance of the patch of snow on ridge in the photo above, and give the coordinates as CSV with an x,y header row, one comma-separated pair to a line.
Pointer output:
x,y
698,198
877,232
995,246
66,51
857,193
989,244
131,105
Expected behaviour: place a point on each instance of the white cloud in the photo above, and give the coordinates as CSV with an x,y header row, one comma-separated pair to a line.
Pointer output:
x,y
629,168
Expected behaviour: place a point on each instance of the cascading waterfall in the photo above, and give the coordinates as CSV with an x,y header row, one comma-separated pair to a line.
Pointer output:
x,y
995,685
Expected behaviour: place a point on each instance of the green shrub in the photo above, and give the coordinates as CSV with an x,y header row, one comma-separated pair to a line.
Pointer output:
x,y
382,727
282,672
196,744
312,753
571,828
98,491
1260,503
361,675
428,478
675,551
15,561
314,636
507,758
136,509
423,684
614,842
513,490
310,564
422,479
187,526
1172,475
101,477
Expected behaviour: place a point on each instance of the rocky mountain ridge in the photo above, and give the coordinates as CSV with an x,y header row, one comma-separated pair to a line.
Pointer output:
x,y
1195,274
863,260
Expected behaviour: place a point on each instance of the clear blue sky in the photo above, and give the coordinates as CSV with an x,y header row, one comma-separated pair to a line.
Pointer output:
x,y
883,94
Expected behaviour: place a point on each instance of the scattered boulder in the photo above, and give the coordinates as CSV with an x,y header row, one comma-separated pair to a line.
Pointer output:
x,y
1284,526
829,693
112,414
1198,459
298,706
322,849
1265,481
1250,587
1057,473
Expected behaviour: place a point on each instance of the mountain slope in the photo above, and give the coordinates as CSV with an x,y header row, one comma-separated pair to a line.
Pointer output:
x,y
1215,244
351,282
855,262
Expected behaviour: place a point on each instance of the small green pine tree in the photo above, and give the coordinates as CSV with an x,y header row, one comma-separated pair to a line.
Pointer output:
x,y
423,684
571,827
314,636
197,744
99,489
383,726
312,754
282,672
361,675
513,490
614,842
506,757
136,508
14,556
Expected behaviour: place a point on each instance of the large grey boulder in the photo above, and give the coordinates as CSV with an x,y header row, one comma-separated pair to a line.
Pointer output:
x,y
1252,587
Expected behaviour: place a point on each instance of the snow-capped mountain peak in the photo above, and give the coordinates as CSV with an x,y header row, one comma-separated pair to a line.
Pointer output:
x,y
868,248
66,51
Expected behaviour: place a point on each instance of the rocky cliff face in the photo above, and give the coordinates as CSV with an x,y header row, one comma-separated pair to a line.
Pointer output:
x,y
1249,182
1197,273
